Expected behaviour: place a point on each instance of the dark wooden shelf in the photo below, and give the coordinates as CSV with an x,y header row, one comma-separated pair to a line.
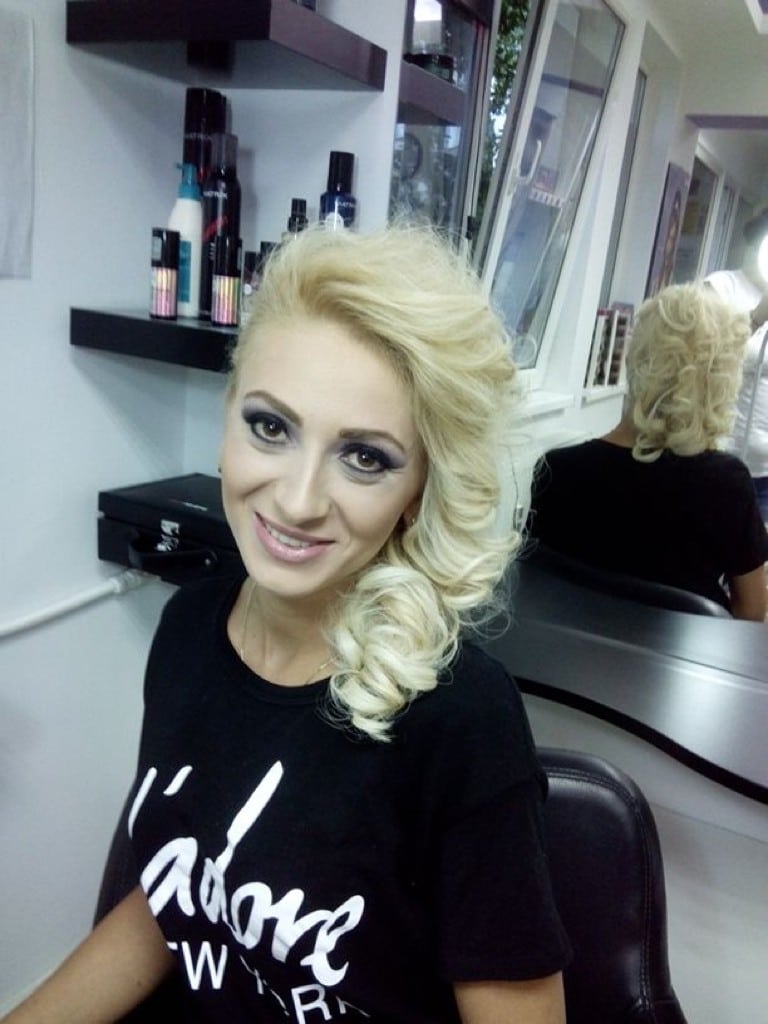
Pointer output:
x,y
426,98
276,44
183,342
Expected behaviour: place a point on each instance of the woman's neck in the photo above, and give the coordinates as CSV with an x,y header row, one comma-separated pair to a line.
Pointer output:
x,y
279,640
623,434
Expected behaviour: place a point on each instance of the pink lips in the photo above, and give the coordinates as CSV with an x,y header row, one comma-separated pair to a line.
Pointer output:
x,y
295,548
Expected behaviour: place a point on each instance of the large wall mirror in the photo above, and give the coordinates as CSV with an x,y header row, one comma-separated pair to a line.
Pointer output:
x,y
670,183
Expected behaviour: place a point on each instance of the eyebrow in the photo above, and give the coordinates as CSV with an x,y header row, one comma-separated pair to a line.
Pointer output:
x,y
350,434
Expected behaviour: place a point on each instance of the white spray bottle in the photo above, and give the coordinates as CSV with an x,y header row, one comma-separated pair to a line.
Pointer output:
x,y
187,218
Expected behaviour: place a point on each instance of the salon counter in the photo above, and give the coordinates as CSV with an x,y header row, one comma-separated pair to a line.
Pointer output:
x,y
695,686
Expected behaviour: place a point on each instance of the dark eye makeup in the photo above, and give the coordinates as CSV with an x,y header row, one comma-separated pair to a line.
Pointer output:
x,y
367,460
359,458
266,426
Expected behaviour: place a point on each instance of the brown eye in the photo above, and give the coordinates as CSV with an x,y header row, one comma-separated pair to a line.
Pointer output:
x,y
266,427
365,460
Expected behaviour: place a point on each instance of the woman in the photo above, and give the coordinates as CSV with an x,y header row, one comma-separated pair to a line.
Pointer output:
x,y
653,497
335,815
745,289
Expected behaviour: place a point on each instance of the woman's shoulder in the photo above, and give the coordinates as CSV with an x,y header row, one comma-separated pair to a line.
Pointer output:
x,y
200,596
585,453
475,698
191,631
471,731
721,465
195,612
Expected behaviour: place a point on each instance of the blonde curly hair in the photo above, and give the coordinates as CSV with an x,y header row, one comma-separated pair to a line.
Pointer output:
x,y
684,368
407,294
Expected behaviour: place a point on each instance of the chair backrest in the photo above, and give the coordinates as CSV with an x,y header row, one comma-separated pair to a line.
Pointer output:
x,y
658,595
608,878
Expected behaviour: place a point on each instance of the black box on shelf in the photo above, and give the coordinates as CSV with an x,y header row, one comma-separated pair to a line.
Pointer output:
x,y
174,528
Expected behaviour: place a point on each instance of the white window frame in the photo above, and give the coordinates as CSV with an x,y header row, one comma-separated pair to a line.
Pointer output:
x,y
550,383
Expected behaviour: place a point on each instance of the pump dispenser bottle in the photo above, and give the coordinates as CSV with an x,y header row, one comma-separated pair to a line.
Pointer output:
x,y
187,218
337,204
221,210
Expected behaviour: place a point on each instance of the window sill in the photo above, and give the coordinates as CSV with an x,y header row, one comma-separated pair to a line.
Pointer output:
x,y
599,394
538,402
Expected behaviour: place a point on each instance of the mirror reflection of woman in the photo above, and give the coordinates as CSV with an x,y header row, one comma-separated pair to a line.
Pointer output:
x,y
654,498
746,289
336,810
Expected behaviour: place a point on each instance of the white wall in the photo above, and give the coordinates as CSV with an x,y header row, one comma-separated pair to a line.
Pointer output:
x,y
72,423
75,421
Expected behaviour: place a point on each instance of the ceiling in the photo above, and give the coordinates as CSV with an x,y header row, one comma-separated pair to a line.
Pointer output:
x,y
724,34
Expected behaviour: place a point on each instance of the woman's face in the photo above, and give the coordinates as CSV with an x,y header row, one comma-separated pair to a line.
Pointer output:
x,y
320,460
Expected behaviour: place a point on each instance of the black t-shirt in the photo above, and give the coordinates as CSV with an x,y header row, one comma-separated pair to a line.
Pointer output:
x,y
686,521
303,873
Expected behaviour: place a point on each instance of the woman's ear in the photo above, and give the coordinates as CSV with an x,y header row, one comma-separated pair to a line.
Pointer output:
x,y
411,513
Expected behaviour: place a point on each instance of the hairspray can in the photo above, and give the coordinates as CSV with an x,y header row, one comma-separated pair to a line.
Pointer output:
x,y
165,273
205,112
221,210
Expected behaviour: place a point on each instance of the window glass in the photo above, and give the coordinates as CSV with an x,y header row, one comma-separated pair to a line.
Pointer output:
x,y
721,231
621,196
525,256
444,57
735,255
695,220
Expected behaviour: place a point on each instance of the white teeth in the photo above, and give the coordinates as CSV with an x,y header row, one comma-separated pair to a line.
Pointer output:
x,y
290,542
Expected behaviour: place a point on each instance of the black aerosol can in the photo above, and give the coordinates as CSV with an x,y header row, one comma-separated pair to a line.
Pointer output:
x,y
221,210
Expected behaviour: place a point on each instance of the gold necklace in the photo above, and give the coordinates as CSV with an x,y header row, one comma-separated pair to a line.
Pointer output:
x,y
244,635
245,622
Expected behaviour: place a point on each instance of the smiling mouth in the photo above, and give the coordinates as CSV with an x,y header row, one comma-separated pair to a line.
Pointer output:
x,y
288,541
289,546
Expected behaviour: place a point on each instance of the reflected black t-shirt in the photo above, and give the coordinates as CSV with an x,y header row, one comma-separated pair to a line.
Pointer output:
x,y
301,873
685,521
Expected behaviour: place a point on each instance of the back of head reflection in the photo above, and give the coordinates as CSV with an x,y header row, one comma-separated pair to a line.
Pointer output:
x,y
654,497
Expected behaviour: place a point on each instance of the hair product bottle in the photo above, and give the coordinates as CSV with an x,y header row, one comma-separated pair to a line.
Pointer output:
x,y
337,204
221,210
225,292
205,112
165,269
297,220
187,218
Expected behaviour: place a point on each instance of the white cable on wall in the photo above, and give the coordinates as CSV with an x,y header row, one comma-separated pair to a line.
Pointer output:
x,y
130,579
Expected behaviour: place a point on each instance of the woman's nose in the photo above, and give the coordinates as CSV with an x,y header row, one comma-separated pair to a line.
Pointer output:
x,y
302,493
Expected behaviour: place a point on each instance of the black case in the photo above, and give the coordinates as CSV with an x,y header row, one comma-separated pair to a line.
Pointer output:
x,y
174,528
